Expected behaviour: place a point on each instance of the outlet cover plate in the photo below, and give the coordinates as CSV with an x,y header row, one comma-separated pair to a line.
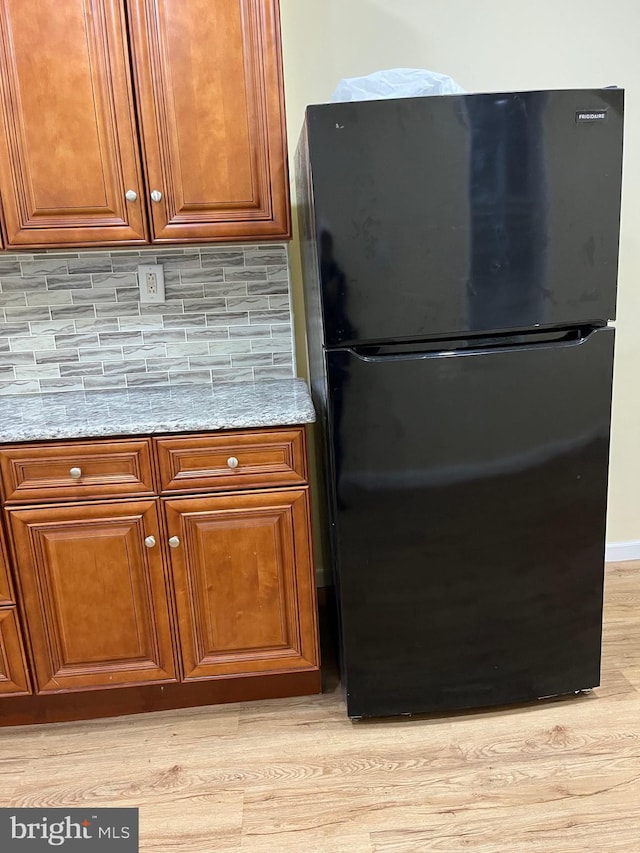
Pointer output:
x,y
151,283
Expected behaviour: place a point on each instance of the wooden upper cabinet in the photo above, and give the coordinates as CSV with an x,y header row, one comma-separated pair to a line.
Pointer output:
x,y
68,146
210,95
94,594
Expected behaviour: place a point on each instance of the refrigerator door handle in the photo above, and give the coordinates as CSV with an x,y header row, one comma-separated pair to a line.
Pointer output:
x,y
472,346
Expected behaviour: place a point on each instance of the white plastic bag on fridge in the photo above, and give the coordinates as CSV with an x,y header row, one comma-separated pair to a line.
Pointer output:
x,y
395,83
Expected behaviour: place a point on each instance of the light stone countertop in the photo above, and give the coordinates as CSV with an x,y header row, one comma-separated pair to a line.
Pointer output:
x,y
144,411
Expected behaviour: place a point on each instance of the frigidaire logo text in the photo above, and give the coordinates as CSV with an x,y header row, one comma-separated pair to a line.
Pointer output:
x,y
591,115
72,830
54,833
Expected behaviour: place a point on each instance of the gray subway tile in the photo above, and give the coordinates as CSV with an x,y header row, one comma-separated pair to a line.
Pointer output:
x,y
49,297
259,288
14,299
184,291
9,266
106,294
230,347
278,273
205,306
273,258
74,384
184,321
282,359
187,349
247,303
170,308
245,274
30,313
126,263
148,323
120,338
50,265
147,379
209,334
163,336
97,383
156,364
272,372
233,374
125,366
101,354
279,302
253,359
37,371
26,387
97,325
250,331
220,258
127,294
42,327
22,285
207,362
32,343
74,311
90,263
222,288
180,262
15,329
275,317
7,372
68,282
145,351
200,275
78,340
57,356
271,345
118,309
24,358
81,369
190,377
228,318
114,279
4,344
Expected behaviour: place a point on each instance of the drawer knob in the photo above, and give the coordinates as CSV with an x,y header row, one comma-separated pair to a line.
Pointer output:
x,y
156,195
174,542
75,473
150,541
131,195
232,462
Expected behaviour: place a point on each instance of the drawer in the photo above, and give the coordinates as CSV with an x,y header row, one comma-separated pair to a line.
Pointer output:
x,y
32,473
13,670
6,593
239,460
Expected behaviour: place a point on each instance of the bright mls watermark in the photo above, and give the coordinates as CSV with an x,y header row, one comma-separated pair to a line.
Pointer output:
x,y
79,830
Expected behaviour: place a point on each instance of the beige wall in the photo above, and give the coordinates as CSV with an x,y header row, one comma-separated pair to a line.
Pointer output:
x,y
493,45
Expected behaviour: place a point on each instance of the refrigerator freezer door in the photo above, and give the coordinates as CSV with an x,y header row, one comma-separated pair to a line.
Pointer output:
x,y
470,498
444,215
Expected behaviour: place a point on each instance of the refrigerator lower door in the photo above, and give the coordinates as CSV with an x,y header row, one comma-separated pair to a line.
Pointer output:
x,y
469,501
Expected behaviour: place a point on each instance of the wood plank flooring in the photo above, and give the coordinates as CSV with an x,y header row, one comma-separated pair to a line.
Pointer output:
x,y
295,775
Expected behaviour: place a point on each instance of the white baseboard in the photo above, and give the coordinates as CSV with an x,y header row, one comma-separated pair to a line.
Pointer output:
x,y
617,552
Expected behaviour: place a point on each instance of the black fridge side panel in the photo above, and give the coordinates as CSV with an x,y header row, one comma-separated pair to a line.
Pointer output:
x,y
470,526
466,213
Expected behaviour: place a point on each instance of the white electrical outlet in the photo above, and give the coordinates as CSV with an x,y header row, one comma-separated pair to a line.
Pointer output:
x,y
151,282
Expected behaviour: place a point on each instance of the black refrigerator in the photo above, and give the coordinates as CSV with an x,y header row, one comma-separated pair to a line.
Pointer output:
x,y
460,261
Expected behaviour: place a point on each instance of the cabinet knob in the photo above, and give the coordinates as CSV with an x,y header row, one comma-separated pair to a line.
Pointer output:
x,y
156,195
232,462
75,473
150,541
174,542
131,195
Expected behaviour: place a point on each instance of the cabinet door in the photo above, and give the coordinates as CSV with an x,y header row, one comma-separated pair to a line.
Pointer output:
x,y
68,147
244,583
6,593
13,672
210,97
94,595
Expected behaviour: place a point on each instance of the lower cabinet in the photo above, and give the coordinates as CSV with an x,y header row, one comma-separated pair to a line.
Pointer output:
x,y
243,582
94,595
177,598
13,673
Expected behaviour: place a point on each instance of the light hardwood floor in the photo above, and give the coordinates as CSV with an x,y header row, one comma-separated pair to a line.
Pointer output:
x,y
295,775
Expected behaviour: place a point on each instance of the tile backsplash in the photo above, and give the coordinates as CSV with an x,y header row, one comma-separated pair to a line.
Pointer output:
x,y
72,321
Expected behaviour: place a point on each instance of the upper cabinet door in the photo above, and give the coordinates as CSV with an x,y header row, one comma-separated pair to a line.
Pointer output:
x,y
69,158
211,104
